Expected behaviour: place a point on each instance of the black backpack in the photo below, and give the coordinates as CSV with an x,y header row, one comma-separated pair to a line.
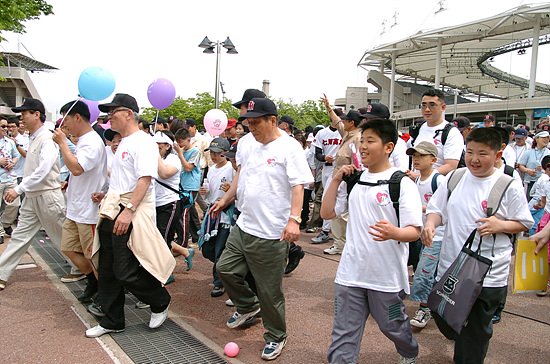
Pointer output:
x,y
394,186
414,130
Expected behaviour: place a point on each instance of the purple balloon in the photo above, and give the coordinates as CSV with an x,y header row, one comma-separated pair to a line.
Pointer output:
x,y
93,106
161,93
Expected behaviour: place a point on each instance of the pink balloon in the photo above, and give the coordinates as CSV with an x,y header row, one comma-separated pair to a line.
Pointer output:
x,y
215,122
231,349
93,106
161,93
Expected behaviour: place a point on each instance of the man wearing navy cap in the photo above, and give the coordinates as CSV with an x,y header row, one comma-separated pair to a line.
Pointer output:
x,y
270,190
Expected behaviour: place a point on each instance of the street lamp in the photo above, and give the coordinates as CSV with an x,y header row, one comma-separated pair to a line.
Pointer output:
x,y
209,48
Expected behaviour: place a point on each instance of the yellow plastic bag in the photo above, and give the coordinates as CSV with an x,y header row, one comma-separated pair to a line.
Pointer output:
x,y
531,271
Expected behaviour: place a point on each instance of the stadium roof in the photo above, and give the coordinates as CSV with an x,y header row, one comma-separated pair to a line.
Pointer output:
x,y
20,60
467,51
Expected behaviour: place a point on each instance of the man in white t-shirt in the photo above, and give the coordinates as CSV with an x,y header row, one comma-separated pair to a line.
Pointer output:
x,y
200,142
88,167
270,190
22,144
449,144
125,263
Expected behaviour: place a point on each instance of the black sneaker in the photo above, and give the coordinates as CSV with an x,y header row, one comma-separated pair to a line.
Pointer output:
x,y
293,261
8,230
217,291
95,309
89,292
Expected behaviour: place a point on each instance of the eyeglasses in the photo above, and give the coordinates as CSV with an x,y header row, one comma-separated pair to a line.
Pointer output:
x,y
112,112
3,126
430,105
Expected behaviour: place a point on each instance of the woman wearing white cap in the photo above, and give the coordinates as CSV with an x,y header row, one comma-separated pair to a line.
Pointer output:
x,y
529,163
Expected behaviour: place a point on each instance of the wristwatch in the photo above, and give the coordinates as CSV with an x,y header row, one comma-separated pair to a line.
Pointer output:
x,y
131,207
298,219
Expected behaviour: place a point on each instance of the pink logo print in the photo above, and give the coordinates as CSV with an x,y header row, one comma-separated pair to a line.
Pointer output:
x,y
484,205
427,197
124,155
437,141
217,123
250,106
382,198
272,162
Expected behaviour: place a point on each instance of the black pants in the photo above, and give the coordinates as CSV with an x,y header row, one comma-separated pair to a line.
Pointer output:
x,y
305,208
189,224
472,343
119,269
167,219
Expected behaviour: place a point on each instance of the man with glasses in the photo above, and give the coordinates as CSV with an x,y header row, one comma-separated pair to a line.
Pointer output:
x,y
8,180
449,143
21,142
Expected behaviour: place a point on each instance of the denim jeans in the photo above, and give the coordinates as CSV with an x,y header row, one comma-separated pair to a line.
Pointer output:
x,y
425,273
537,215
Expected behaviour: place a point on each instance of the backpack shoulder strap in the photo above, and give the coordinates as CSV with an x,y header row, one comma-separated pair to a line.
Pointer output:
x,y
455,177
508,170
352,180
395,191
414,131
445,132
434,181
497,194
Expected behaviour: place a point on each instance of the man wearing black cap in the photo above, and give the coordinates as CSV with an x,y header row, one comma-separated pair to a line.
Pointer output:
x,y
43,204
488,121
270,191
132,253
286,123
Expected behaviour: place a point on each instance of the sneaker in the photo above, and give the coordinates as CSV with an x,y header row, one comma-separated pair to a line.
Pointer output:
x,y
158,319
189,259
239,319
89,292
321,238
95,309
97,331
542,293
229,303
496,319
3,285
217,291
273,350
171,279
312,230
73,278
403,360
141,305
332,250
8,230
293,261
421,318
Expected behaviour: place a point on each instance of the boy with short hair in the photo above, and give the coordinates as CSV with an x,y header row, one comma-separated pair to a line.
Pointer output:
x,y
372,276
221,172
190,181
424,156
465,210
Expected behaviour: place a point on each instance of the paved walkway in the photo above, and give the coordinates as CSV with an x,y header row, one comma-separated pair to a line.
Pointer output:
x,y
41,320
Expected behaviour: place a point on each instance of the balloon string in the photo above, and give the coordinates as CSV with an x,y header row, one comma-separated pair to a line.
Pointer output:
x,y
157,121
68,111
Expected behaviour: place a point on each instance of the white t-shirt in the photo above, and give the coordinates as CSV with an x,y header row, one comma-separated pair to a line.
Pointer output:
x,y
328,140
264,189
399,158
453,147
426,193
110,156
515,174
90,153
509,156
546,193
245,144
216,178
136,157
370,264
538,189
461,211
163,195
23,141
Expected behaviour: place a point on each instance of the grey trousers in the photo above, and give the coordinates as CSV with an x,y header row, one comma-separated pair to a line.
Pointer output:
x,y
353,306
47,210
9,210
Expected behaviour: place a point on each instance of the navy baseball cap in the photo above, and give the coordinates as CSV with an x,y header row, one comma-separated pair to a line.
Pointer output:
x,y
259,107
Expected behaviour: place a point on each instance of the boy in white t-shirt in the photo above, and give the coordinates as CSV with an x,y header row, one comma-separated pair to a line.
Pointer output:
x,y
372,276
424,156
462,212
221,172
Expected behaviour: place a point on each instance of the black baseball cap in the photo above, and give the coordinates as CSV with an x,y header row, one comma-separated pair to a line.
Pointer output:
x,y
121,100
158,119
352,115
461,122
232,152
190,122
218,145
109,134
377,111
286,119
520,133
248,95
30,104
259,107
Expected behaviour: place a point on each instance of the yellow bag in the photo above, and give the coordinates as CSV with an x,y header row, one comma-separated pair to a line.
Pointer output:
x,y
531,271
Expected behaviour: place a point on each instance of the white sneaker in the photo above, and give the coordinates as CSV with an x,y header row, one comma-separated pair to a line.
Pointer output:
x,y
238,319
403,360
421,318
273,350
97,331
229,303
332,250
158,319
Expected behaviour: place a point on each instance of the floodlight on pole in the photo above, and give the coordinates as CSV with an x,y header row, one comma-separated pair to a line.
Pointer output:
x,y
209,48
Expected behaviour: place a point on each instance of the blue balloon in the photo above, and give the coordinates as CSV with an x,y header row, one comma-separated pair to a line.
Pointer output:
x,y
96,83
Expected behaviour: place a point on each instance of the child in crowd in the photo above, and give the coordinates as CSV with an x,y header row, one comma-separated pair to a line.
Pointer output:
x,y
189,179
529,163
372,276
462,212
545,206
424,156
535,206
222,172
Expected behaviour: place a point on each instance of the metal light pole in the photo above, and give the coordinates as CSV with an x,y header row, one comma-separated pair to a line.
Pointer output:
x,y
209,48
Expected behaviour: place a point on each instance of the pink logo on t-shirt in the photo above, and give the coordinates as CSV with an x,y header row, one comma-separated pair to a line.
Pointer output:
x,y
437,141
484,205
382,198
272,162
427,197
124,155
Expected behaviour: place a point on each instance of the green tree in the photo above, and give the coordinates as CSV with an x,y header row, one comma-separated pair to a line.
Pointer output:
x,y
13,13
307,113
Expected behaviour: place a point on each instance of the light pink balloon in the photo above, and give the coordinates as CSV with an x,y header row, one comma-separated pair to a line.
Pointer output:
x,y
215,122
